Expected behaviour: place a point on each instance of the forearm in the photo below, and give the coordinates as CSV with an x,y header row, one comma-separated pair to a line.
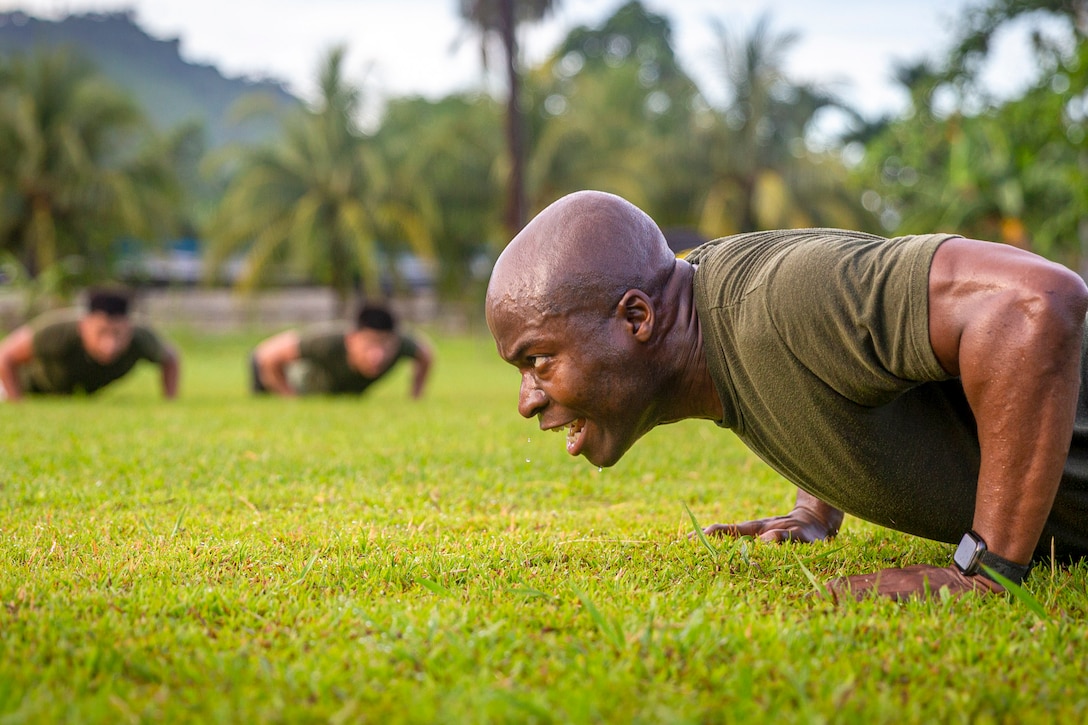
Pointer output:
x,y
171,372
274,378
9,378
419,380
1023,450
16,351
422,370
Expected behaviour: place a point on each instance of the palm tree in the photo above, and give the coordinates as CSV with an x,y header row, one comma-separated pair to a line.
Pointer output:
x,y
500,17
75,172
764,173
615,108
317,200
460,201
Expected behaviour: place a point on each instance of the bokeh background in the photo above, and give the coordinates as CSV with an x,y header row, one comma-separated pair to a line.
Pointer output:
x,y
277,161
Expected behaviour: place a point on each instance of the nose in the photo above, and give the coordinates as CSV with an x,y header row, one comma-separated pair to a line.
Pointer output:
x,y
110,347
531,399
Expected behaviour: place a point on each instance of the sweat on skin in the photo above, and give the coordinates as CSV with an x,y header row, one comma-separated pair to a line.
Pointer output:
x,y
604,326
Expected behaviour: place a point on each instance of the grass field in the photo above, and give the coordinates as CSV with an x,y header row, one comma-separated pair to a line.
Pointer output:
x,y
229,559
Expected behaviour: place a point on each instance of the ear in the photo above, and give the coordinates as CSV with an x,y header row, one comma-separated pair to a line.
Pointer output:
x,y
637,311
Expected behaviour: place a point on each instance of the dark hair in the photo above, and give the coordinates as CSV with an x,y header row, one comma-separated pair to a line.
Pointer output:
x,y
374,317
111,302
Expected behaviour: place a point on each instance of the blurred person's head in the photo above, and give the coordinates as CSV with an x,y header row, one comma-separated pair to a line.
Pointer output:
x,y
105,329
372,342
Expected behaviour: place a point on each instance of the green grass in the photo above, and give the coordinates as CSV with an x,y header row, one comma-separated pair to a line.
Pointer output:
x,y
229,559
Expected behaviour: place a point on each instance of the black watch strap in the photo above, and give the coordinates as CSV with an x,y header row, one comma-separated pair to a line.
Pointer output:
x,y
1012,571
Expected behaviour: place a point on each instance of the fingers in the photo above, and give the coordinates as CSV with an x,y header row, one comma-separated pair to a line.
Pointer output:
x,y
722,530
755,529
918,581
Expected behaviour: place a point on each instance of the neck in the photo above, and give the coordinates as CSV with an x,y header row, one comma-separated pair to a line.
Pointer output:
x,y
689,391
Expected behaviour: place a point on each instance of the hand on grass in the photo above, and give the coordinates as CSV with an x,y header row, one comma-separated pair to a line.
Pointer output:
x,y
798,525
919,580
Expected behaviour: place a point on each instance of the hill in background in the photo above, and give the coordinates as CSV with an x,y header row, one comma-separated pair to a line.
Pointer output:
x,y
170,90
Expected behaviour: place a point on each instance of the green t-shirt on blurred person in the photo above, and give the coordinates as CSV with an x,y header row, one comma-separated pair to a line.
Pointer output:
x,y
323,369
62,366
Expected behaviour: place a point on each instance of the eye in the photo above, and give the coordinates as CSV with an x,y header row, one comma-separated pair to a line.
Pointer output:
x,y
536,361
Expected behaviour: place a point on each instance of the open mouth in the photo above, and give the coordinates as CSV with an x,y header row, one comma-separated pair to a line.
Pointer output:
x,y
574,435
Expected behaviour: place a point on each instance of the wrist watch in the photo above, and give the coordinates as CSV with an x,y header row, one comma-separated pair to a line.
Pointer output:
x,y
972,555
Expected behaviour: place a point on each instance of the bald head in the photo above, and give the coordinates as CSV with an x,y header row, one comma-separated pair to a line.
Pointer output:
x,y
583,251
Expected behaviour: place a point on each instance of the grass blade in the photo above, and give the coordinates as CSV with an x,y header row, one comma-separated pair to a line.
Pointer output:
x,y
700,535
177,524
433,586
816,584
610,629
306,570
1023,595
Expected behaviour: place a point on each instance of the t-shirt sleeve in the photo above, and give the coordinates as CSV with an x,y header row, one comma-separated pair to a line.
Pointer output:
x,y
55,335
48,342
148,345
408,347
308,346
321,344
856,313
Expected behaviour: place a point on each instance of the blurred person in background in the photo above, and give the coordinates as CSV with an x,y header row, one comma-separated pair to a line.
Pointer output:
x,y
331,360
81,350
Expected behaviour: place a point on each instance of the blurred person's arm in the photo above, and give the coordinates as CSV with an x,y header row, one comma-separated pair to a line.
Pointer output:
x,y
16,350
171,372
424,359
272,357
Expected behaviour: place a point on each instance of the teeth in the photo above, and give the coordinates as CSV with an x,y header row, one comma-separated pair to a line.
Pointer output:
x,y
573,431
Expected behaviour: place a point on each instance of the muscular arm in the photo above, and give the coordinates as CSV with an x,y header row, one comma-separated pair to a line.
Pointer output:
x,y
1009,324
273,356
16,350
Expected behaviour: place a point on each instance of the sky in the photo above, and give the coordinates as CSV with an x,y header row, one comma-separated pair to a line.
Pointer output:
x,y
402,47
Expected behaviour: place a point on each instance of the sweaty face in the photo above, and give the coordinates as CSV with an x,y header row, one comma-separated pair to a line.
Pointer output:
x,y
371,351
104,337
580,375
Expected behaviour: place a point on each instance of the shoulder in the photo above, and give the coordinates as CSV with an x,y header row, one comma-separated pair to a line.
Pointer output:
x,y
807,257
56,320
321,340
149,344
53,331
410,346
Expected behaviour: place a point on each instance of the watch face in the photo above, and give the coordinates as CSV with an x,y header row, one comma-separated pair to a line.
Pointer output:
x,y
966,556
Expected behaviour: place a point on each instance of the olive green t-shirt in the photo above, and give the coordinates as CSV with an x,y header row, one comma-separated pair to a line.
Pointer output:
x,y
61,365
818,343
323,366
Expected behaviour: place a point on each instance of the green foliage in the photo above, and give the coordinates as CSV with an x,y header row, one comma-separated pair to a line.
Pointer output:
x,y
78,168
612,110
236,559
1008,171
454,144
315,202
759,170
